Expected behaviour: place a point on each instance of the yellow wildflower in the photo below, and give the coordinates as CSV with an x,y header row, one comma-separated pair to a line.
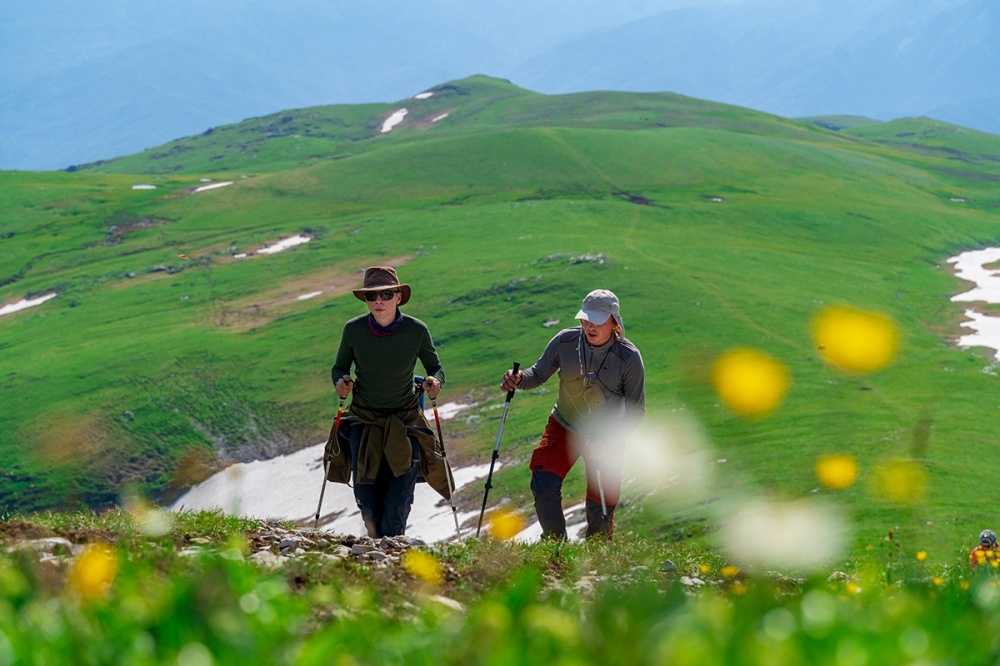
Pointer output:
x,y
901,481
505,525
837,471
730,571
855,340
93,572
423,566
921,556
750,382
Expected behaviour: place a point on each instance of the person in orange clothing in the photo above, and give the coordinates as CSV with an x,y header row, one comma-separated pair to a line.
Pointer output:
x,y
986,550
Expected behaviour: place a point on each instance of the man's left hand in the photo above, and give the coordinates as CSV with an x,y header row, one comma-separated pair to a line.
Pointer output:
x,y
432,386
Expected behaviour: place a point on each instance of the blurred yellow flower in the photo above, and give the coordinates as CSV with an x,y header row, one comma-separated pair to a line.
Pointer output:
x,y
965,585
706,568
837,471
559,624
938,581
980,557
921,556
901,481
505,525
750,382
855,340
93,572
730,571
423,566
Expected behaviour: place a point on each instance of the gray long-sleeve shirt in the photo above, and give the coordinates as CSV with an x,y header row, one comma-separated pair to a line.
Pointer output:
x,y
598,386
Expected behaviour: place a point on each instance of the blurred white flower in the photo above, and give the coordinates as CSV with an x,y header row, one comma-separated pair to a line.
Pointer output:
x,y
669,458
801,535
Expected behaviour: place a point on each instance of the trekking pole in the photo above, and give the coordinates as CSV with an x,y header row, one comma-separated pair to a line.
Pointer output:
x,y
447,467
600,489
496,451
326,459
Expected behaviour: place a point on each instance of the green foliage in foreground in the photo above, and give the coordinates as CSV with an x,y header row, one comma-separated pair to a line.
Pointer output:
x,y
627,602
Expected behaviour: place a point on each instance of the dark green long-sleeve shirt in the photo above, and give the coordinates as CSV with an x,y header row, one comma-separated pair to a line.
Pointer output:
x,y
384,366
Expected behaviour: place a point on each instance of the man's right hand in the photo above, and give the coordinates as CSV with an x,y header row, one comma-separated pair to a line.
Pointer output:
x,y
344,386
510,381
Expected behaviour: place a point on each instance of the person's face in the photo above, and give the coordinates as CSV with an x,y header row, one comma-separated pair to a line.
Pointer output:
x,y
381,308
598,334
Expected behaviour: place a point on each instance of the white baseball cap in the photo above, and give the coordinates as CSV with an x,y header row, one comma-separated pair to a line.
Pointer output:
x,y
598,305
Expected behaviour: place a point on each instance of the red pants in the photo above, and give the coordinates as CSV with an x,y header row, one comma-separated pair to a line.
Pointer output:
x,y
559,449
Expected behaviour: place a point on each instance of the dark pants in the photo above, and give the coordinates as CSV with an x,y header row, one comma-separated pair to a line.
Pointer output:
x,y
385,504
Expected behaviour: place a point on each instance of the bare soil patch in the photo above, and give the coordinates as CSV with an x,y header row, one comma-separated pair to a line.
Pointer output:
x,y
284,298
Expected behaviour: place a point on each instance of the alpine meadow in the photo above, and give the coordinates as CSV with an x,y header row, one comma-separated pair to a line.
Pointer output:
x,y
175,345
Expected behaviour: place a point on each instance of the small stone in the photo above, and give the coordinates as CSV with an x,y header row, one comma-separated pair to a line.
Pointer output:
x,y
267,559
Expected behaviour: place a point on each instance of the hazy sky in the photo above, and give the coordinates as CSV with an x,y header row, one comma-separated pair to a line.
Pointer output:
x,y
82,81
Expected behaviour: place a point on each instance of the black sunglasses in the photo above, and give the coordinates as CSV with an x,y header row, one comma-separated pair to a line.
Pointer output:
x,y
385,295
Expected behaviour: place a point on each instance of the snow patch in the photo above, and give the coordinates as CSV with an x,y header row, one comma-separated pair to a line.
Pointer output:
x,y
288,487
394,120
423,95
972,266
213,186
25,303
306,297
446,411
284,244
441,117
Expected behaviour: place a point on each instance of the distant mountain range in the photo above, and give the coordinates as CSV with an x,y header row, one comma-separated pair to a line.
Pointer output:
x,y
79,84
883,58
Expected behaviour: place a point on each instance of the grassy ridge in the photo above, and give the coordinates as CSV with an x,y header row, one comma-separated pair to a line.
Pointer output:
x,y
715,225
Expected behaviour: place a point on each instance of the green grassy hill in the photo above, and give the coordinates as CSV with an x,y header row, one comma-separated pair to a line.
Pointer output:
x,y
164,356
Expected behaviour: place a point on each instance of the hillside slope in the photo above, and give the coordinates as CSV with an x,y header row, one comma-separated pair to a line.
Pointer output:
x,y
166,353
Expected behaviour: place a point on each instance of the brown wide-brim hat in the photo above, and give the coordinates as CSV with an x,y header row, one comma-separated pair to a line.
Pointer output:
x,y
380,278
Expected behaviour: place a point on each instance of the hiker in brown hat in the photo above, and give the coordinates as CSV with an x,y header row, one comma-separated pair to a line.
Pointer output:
x,y
384,442
602,396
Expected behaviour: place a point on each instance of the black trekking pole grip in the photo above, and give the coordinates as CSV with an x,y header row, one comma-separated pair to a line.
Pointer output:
x,y
510,393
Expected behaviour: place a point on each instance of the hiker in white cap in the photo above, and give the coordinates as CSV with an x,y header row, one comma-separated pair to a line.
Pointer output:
x,y
602,396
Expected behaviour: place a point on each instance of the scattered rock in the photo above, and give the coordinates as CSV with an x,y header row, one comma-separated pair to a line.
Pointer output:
x,y
47,545
448,603
267,559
